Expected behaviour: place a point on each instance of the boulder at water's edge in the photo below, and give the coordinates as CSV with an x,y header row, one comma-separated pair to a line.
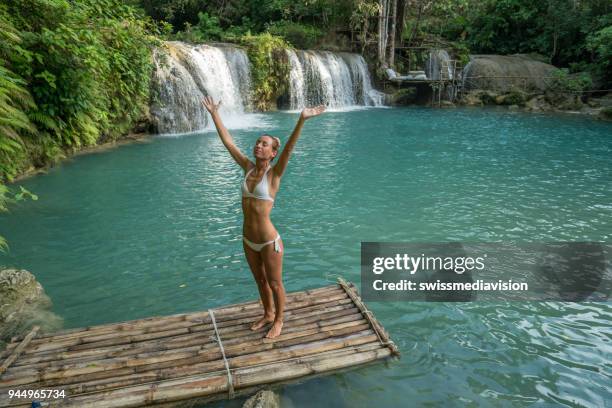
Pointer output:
x,y
23,304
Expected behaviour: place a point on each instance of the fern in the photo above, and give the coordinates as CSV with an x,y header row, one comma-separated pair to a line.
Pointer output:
x,y
71,73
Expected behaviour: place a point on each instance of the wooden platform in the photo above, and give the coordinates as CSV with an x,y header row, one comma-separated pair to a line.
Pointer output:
x,y
197,357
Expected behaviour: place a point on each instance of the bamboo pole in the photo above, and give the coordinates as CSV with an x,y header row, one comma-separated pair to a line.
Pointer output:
x,y
160,322
76,343
111,367
246,391
197,339
293,325
357,344
293,329
164,320
291,305
207,385
18,350
323,311
197,386
165,335
163,369
5,353
305,334
349,345
251,390
384,336
306,329
103,369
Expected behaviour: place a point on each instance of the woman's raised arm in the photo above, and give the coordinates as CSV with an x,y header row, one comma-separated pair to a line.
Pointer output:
x,y
225,136
283,159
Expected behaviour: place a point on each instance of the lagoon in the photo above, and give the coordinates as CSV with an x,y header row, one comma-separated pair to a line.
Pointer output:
x,y
155,229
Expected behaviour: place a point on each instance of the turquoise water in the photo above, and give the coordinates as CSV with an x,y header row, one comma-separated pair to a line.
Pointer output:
x,y
155,228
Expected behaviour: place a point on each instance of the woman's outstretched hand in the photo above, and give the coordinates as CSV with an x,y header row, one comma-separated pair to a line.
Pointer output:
x,y
308,113
210,105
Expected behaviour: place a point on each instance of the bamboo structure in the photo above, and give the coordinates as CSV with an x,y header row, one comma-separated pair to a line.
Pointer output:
x,y
190,358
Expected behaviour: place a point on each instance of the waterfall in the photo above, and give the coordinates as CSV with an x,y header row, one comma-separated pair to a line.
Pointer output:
x,y
362,84
440,66
185,74
296,81
336,79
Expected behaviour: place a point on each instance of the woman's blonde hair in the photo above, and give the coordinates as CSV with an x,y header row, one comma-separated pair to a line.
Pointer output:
x,y
276,145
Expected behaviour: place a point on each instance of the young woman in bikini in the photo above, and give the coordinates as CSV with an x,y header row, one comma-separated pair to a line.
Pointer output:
x,y
262,244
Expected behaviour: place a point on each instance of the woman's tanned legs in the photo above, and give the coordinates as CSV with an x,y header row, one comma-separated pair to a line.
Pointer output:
x,y
273,269
256,264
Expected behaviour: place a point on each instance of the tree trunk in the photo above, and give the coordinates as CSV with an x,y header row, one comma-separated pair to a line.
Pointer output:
x,y
364,35
417,22
383,31
554,50
401,20
381,28
393,28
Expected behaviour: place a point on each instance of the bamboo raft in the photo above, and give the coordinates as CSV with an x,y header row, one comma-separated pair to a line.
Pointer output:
x,y
194,358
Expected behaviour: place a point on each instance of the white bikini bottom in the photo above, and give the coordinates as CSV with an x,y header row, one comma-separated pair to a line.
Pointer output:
x,y
259,247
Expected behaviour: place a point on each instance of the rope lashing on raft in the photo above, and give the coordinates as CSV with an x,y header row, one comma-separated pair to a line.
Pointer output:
x,y
230,381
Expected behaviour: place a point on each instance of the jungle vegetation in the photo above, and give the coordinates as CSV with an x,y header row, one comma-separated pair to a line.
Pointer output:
x,y
75,73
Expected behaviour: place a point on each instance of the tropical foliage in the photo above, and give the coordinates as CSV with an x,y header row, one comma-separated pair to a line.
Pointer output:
x,y
71,74
255,15
568,33
76,72
269,67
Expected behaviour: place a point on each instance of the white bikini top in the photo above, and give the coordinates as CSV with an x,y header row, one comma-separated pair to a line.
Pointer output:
x,y
261,191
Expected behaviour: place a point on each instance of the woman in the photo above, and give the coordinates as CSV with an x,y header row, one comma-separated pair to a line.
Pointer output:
x,y
262,244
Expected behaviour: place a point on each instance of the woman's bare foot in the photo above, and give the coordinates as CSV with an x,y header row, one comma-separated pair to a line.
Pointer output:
x,y
275,330
262,322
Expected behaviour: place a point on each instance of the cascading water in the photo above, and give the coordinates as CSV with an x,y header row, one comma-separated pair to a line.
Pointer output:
x,y
439,66
185,74
296,81
335,79
362,84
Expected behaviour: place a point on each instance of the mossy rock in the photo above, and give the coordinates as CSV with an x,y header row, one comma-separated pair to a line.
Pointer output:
x,y
564,100
572,103
471,99
537,104
263,399
24,304
488,98
605,114
593,103
557,98
512,98
404,96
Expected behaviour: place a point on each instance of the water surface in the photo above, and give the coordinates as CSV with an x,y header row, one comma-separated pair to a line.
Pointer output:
x,y
155,228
